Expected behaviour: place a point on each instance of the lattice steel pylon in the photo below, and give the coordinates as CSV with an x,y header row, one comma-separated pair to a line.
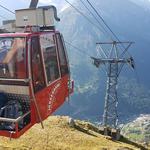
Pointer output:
x,y
113,58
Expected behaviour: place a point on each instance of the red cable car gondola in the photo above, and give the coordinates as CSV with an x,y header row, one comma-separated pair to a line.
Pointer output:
x,y
34,73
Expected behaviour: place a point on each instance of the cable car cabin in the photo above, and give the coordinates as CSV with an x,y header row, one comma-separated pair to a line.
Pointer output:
x,y
34,79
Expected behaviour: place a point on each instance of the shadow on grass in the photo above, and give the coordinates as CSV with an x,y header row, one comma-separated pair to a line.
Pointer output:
x,y
126,140
77,127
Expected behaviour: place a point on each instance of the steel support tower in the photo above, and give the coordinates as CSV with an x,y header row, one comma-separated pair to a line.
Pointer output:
x,y
113,59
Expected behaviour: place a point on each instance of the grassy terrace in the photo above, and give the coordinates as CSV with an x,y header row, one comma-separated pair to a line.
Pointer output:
x,y
58,135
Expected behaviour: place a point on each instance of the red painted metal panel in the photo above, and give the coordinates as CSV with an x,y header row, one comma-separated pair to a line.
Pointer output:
x,y
48,99
13,134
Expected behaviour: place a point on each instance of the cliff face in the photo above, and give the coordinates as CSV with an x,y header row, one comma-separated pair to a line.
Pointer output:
x,y
58,135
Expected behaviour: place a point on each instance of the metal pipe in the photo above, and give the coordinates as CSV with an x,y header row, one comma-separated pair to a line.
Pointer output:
x,y
14,120
33,3
20,80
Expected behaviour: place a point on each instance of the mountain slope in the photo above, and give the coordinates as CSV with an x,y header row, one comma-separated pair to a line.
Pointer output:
x,y
58,135
138,130
130,22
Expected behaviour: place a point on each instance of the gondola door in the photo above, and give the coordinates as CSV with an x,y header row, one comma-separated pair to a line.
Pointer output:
x,y
56,71
52,70
50,73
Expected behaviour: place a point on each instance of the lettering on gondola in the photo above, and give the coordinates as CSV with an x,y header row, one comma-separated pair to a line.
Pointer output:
x,y
52,96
